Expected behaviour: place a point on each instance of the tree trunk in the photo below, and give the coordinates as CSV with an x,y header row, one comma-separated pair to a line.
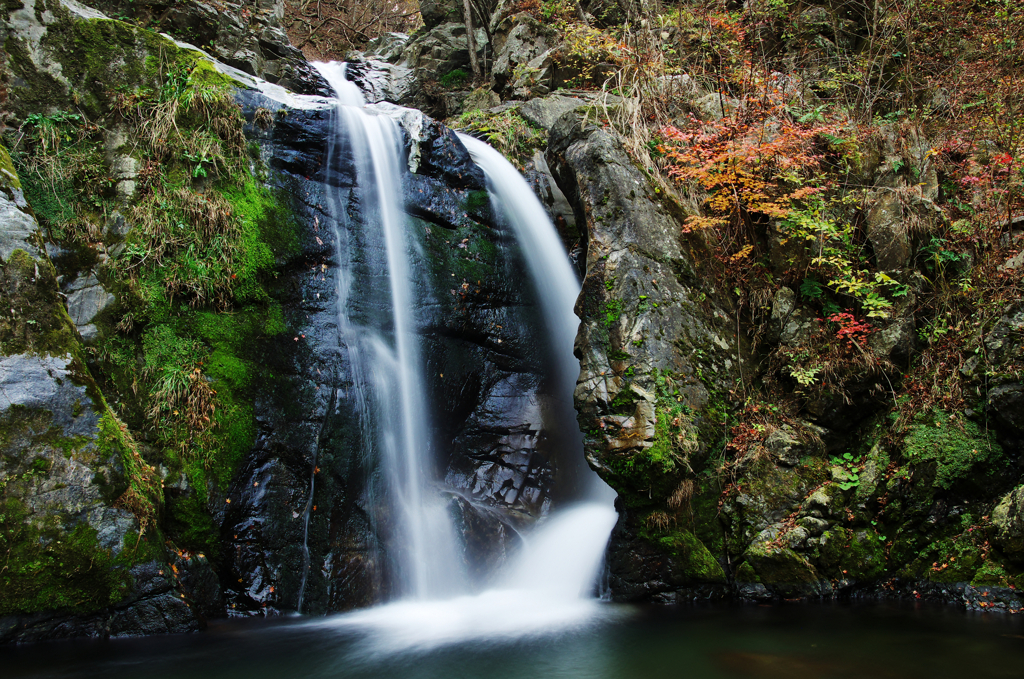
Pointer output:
x,y
474,62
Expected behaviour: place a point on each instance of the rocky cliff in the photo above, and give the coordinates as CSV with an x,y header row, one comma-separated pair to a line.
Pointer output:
x,y
799,341
801,382
183,437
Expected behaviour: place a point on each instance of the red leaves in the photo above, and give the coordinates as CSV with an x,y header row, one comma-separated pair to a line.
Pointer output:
x,y
850,329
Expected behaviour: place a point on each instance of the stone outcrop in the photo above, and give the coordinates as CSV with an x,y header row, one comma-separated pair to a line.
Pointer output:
x,y
247,36
652,340
1008,518
61,474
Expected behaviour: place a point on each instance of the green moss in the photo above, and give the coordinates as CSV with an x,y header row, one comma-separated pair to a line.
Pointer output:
x,y
454,79
233,370
613,310
142,496
8,175
646,476
845,553
467,251
163,350
778,487
624,402
746,573
507,132
35,319
41,90
267,229
957,447
99,56
953,555
191,527
689,554
274,323
215,249
221,349
991,574
50,567
477,201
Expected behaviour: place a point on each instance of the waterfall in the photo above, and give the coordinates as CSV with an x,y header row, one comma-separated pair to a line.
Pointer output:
x,y
557,289
549,584
385,360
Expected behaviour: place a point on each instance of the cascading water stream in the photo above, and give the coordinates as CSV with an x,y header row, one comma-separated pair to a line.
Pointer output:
x,y
388,368
549,584
557,289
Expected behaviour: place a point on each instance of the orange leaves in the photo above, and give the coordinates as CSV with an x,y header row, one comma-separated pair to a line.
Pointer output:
x,y
751,164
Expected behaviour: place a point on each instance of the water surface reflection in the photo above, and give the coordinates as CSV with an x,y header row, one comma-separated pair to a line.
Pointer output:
x,y
611,642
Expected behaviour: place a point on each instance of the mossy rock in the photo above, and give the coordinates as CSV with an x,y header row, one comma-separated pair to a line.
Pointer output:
x,y
745,573
97,57
858,555
8,175
950,559
691,560
956,447
1008,519
52,568
38,322
782,569
993,573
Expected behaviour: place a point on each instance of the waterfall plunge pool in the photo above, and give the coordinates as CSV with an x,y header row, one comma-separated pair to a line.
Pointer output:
x,y
605,641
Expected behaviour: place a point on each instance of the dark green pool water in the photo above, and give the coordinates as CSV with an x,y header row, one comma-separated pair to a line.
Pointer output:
x,y
880,641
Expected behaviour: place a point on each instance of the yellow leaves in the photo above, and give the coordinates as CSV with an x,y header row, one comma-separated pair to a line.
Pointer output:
x,y
742,254
851,285
701,222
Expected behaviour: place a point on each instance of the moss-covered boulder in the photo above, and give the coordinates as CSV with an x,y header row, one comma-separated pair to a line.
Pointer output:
x,y
1008,520
847,554
783,571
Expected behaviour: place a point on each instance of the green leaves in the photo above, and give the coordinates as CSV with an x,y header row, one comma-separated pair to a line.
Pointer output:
x,y
846,472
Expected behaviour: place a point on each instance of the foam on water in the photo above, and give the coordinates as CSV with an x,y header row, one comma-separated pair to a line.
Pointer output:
x,y
547,589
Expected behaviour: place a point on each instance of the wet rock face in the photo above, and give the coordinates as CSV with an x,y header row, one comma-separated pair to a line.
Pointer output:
x,y
293,519
486,536
380,80
299,527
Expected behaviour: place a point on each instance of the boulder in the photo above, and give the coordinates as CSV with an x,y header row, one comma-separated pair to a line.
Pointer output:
x,y
437,12
523,50
1008,520
544,112
783,571
86,299
790,323
433,55
887,231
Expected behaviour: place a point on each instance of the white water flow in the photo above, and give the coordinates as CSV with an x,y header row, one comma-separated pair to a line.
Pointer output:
x,y
545,256
549,584
388,365
557,289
